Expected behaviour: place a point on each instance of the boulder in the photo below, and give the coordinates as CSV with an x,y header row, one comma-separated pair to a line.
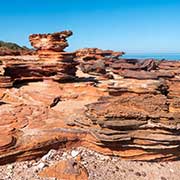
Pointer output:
x,y
66,170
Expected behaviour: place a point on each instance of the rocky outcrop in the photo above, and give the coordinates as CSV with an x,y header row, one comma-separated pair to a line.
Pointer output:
x,y
13,49
66,170
53,62
141,118
140,69
93,60
137,86
50,48
55,41
136,119
106,63
142,126
135,115
21,52
30,125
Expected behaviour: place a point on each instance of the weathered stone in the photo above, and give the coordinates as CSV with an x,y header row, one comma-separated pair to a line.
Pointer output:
x,y
143,74
32,127
66,170
136,115
93,60
142,119
87,54
55,41
138,86
53,62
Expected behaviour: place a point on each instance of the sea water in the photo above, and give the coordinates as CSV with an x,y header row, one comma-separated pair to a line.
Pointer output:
x,y
160,56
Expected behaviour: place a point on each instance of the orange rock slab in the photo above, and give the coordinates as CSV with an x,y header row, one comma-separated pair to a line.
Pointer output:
x,y
66,170
30,126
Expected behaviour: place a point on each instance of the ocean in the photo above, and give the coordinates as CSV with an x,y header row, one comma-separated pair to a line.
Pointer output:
x,y
159,56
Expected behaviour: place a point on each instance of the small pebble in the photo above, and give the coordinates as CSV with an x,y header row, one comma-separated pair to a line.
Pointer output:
x,y
49,155
143,174
171,170
138,174
40,166
74,153
163,178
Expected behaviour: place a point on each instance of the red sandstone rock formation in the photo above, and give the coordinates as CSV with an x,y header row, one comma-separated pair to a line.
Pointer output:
x,y
133,118
50,48
95,53
136,115
53,62
141,118
30,126
55,41
140,69
66,170
93,60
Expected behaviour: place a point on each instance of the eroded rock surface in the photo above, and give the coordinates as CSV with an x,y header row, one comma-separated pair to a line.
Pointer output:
x,y
55,41
52,63
141,118
30,126
141,69
135,115
133,118
93,60
66,170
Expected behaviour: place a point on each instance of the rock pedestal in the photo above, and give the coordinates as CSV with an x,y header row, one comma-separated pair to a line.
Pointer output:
x,y
50,48
52,63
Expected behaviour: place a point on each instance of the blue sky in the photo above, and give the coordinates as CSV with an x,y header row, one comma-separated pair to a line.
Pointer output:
x,y
134,26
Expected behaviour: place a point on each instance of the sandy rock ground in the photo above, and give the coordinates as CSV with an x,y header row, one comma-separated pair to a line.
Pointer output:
x,y
99,167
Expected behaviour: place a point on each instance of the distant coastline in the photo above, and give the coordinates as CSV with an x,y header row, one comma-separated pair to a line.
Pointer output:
x,y
167,56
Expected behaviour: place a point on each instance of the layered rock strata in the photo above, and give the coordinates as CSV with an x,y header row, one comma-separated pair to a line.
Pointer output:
x,y
50,48
30,125
140,69
136,115
140,119
55,41
52,63
136,119
93,60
